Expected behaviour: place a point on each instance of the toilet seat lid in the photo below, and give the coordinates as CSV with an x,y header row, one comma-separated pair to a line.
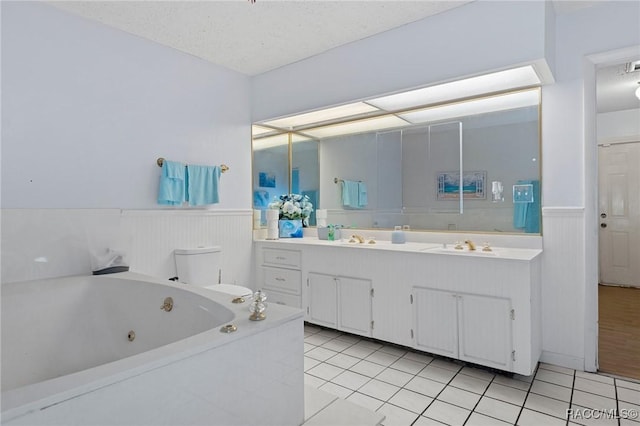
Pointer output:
x,y
232,289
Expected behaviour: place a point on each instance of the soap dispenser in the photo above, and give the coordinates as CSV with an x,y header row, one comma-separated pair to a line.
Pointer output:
x,y
397,236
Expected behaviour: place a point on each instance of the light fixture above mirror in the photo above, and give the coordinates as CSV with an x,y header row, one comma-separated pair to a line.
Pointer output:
x,y
375,112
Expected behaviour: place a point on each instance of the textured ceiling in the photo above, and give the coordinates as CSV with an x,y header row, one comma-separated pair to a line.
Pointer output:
x,y
616,88
254,38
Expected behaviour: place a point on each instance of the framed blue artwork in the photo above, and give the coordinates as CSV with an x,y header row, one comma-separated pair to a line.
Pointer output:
x,y
267,180
473,185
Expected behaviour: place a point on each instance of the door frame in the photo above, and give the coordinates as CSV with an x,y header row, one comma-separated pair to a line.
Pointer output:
x,y
590,64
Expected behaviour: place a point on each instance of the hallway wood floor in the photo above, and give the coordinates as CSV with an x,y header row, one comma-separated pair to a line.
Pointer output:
x,y
619,331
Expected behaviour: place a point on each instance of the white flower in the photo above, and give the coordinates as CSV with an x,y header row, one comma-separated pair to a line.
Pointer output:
x,y
289,207
293,206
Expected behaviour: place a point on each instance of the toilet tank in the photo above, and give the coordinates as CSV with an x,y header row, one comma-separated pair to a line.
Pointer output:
x,y
198,266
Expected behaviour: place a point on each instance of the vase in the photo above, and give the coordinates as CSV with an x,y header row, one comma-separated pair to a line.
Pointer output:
x,y
290,228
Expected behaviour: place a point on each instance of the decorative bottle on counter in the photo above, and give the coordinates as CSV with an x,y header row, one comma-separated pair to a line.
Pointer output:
x,y
331,235
397,236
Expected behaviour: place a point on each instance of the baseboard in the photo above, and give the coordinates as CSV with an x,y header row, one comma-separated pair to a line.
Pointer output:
x,y
562,360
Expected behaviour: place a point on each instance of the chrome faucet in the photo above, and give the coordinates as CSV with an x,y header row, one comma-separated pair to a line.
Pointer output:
x,y
471,245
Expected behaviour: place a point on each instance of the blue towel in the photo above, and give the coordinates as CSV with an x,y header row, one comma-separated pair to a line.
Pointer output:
x,y
172,184
527,215
350,194
532,223
202,184
362,194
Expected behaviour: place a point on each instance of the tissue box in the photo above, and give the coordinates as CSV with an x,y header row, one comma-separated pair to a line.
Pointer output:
x,y
323,233
290,228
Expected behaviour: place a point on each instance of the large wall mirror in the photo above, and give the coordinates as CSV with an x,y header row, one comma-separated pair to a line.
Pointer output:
x,y
466,165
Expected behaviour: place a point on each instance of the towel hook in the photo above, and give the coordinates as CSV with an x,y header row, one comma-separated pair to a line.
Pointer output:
x,y
223,167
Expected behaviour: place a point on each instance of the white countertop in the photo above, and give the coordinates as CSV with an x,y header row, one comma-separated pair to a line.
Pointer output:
x,y
414,247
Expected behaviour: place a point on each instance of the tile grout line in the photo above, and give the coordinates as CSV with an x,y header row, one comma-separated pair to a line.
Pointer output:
x,y
615,389
437,395
571,397
527,395
473,410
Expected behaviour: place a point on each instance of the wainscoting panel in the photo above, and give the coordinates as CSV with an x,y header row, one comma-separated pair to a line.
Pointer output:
x,y
45,243
563,287
155,234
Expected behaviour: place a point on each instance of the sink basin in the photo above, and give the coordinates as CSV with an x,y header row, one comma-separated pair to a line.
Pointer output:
x,y
451,250
365,244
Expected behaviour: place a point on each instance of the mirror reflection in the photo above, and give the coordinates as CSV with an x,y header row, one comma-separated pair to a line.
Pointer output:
x,y
305,179
271,176
411,174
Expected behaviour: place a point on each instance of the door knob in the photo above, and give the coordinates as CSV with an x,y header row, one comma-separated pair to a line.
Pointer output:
x,y
603,215
603,225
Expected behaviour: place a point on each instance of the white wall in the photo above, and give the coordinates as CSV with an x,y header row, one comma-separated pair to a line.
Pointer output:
x,y
480,36
619,126
86,111
504,34
570,179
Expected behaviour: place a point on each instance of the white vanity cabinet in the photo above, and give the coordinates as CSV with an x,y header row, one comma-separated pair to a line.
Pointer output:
x,y
481,308
464,326
339,302
279,275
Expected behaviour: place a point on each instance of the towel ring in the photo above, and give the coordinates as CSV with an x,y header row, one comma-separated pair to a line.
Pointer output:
x,y
223,167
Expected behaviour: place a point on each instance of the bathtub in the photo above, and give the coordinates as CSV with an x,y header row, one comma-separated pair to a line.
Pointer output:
x,y
106,350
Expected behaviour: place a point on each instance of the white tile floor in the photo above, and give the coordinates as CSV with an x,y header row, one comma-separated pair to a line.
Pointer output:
x,y
413,388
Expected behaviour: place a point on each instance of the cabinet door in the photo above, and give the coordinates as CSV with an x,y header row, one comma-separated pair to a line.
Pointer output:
x,y
322,300
485,330
354,305
435,321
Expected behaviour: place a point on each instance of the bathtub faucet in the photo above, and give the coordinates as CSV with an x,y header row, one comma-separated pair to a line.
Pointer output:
x,y
167,304
471,245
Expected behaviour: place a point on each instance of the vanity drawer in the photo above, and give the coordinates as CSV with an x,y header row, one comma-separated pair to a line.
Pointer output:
x,y
288,258
283,299
286,280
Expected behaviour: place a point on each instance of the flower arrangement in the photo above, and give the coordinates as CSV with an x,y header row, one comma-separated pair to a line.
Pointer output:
x,y
293,206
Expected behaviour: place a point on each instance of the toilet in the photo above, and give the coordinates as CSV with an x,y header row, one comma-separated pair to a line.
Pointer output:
x,y
201,267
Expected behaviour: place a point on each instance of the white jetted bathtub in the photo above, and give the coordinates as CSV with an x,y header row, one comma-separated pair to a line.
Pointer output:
x,y
110,350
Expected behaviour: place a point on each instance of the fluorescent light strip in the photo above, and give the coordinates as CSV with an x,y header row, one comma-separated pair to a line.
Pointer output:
x,y
277,140
474,86
259,130
479,106
360,126
342,111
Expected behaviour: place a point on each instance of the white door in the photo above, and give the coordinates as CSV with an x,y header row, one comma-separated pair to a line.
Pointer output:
x,y
619,204
435,321
485,330
354,305
322,300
